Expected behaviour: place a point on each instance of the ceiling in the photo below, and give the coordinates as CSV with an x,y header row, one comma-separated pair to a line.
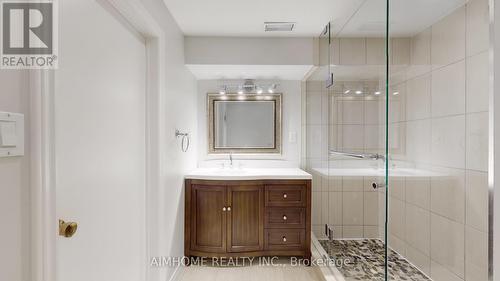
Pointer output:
x,y
245,18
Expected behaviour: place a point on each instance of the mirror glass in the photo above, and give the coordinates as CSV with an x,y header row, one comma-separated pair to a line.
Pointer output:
x,y
245,123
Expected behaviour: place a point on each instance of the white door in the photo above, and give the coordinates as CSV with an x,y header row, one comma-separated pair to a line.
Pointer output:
x,y
100,145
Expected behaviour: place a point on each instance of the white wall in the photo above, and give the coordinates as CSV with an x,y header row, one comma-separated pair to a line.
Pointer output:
x,y
257,51
291,123
180,107
14,185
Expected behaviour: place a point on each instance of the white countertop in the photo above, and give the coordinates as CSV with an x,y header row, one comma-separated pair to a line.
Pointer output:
x,y
248,174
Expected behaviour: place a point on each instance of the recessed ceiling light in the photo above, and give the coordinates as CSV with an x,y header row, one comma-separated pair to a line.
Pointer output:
x,y
278,26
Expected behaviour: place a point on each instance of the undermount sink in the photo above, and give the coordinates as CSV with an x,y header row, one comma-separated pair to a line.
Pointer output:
x,y
247,173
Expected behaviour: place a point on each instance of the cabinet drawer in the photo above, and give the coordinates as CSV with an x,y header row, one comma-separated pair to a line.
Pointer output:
x,y
285,195
284,239
289,217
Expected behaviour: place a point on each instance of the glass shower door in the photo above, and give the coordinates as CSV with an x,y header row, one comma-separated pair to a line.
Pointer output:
x,y
397,134
346,121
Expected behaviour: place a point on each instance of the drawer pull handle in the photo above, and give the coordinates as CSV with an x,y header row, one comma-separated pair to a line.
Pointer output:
x,y
284,217
284,195
284,238
224,209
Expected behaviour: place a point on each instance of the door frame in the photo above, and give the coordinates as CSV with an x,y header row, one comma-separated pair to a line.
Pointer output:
x,y
44,226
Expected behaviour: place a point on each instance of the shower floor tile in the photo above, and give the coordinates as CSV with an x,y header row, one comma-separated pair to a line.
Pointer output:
x,y
365,261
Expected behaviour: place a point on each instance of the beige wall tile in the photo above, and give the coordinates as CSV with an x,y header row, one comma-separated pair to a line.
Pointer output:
x,y
447,246
477,200
397,187
420,260
441,273
352,231
400,51
448,141
370,208
352,183
316,208
477,141
478,82
418,192
352,208
477,26
420,58
448,90
352,137
448,39
370,232
476,255
352,51
397,218
375,51
418,141
335,184
418,98
313,102
448,195
352,112
335,208
418,233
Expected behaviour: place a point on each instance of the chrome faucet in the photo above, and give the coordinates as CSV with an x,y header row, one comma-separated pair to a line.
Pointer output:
x,y
230,159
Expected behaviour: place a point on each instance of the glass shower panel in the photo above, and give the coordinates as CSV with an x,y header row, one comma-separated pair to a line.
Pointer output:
x,y
345,128
438,135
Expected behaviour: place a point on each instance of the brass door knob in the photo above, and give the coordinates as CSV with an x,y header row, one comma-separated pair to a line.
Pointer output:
x,y
67,229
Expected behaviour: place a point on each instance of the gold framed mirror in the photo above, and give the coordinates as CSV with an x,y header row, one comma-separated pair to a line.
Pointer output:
x,y
244,123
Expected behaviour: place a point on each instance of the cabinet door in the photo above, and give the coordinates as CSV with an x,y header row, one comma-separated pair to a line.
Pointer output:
x,y
208,219
245,225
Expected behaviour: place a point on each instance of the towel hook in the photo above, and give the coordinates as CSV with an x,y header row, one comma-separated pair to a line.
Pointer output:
x,y
185,140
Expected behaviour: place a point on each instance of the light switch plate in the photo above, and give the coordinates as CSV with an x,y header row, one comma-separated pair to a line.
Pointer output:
x,y
11,134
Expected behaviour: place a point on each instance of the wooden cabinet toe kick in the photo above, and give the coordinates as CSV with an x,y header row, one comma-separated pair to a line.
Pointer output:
x,y
248,218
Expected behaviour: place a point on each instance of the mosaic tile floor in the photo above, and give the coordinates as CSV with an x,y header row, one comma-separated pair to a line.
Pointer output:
x,y
365,261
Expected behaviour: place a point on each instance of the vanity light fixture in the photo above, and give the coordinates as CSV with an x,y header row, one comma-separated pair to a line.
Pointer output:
x,y
248,87
223,90
271,88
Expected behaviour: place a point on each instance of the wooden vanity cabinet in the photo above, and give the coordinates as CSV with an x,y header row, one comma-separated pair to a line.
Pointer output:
x,y
247,218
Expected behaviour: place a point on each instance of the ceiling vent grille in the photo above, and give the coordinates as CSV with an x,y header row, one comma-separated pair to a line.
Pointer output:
x,y
279,26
